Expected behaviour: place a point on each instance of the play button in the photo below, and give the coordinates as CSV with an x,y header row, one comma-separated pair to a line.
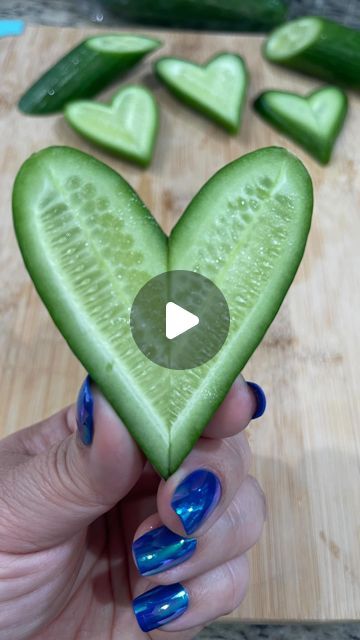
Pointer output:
x,y
179,319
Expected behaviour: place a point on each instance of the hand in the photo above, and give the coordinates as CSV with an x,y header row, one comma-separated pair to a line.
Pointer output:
x,y
72,504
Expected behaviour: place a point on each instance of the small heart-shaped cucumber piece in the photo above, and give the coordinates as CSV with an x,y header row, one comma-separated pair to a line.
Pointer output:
x,y
90,245
126,127
216,89
313,121
85,71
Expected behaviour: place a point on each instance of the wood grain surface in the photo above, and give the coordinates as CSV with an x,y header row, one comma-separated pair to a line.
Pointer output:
x,y
307,446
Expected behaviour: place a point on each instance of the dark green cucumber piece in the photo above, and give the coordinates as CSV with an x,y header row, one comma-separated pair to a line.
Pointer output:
x,y
318,47
217,89
85,71
229,15
126,127
90,244
313,121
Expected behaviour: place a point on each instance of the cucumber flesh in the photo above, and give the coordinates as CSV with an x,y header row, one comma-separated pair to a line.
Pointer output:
x,y
90,244
122,44
216,89
317,47
313,121
293,38
85,71
126,127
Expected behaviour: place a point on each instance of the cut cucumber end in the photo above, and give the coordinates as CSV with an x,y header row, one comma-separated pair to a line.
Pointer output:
x,y
123,43
289,39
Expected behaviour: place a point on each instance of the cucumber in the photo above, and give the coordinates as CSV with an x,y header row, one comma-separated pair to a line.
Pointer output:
x,y
313,121
229,15
126,127
318,47
85,71
217,89
90,244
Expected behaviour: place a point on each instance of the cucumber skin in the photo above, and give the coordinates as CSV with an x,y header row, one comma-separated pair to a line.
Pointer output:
x,y
321,150
186,99
142,162
228,15
94,71
82,349
43,283
183,228
334,56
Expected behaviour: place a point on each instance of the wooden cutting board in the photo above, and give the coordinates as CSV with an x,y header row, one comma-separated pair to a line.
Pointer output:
x,y
307,446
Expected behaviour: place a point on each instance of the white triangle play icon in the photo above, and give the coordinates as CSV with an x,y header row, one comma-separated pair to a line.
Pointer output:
x,y
178,320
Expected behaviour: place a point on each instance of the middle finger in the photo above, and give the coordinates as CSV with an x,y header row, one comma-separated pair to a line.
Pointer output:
x,y
168,558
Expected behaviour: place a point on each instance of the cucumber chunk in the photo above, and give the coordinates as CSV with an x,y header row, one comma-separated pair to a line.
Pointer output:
x,y
216,89
229,15
318,47
127,126
313,121
85,71
90,244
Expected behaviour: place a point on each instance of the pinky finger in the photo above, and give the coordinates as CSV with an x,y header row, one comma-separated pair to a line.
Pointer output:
x,y
179,607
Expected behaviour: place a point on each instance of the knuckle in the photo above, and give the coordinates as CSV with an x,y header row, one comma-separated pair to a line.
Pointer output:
x,y
237,579
61,478
240,451
260,495
245,517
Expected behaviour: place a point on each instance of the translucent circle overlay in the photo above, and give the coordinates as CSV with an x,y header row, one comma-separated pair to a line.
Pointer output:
x,y
196,294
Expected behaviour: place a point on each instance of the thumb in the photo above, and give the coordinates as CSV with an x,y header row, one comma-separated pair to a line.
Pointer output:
x,y
52,494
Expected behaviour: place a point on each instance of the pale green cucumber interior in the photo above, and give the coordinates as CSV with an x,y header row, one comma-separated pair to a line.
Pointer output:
x,y
317,113
247,227
125,43
219,85
327,105
291,38
84,236
128,122
90,244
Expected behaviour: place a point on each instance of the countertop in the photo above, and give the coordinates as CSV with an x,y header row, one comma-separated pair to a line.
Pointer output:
x,y
68,12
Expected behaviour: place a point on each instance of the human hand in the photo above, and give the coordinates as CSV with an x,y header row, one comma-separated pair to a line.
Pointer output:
x,y
72,502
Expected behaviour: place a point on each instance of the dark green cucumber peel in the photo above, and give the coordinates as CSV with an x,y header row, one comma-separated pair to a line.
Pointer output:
x,y
90,244
85,71
313,121
217,89
317,47
127,126
230,15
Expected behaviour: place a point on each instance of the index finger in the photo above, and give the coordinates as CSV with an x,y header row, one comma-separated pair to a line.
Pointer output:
x,y
244,402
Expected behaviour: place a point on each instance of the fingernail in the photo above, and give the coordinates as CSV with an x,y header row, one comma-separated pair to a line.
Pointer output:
x,y
85,413
260,399
160,605
161,549
196,498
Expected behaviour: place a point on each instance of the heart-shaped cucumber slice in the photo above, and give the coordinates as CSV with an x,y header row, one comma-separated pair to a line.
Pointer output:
x,y
90,244
313,121
127,127
216,89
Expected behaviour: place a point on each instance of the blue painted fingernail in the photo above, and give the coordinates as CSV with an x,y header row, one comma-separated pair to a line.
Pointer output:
x,y
85,413
161,549
260,399
160,605
196,498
